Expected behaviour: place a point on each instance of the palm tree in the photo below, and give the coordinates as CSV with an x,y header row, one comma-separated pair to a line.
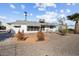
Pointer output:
x,y
74,17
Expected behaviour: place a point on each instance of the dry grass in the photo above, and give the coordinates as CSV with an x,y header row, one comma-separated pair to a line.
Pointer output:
x,y
56,45
21,36
31,38
40,36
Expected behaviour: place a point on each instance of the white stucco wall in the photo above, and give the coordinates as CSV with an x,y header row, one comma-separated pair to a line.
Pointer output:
x,y
16,29
23,27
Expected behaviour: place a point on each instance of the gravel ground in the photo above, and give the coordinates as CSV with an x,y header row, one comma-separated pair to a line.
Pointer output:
x,y
54,45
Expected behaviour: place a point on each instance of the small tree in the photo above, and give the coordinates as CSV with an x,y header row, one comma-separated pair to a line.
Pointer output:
x,y
62,26
2,28
74,17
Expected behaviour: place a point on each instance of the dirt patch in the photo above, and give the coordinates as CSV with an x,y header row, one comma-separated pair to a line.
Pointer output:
x,y
32,39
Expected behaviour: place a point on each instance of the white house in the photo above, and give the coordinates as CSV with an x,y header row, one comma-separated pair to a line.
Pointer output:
x,y
0,23
30,26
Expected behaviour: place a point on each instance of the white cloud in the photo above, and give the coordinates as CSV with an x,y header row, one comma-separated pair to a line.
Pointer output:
x,y
48,16
68,3
41,9
42,6
62,15
51,4
12,6
31,14
73,4
23,7
62,11
2,17
68,10
16,12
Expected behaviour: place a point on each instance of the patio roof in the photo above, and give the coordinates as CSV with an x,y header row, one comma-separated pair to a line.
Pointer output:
x,y
31,23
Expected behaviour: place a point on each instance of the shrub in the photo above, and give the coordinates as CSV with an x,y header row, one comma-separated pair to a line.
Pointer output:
x,y
2,27
21,36
63,30
40,36
70,30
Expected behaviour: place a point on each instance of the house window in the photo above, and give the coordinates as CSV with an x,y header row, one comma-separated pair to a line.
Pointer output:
x,y
17,26
32,28
52,26
42,27
29,28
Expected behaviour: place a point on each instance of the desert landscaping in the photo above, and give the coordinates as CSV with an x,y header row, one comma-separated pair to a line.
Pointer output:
x,y
39,29
53,45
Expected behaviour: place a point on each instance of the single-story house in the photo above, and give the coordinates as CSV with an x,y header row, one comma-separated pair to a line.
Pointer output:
x,y
0,23
30,26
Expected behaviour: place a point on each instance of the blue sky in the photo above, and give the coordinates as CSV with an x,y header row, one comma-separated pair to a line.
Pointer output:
x,y
10,12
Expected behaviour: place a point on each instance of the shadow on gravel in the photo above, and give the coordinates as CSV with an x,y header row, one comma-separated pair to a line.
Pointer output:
x,y
6,35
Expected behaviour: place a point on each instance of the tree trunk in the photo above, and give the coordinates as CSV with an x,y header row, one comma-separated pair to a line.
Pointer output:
x,y
76,27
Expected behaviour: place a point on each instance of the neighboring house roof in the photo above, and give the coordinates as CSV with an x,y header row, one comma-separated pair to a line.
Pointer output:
x,y
31,23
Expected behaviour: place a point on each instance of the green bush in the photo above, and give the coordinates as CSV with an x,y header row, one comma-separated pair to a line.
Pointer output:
x,y
64,32
63,29
70,30
2,27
